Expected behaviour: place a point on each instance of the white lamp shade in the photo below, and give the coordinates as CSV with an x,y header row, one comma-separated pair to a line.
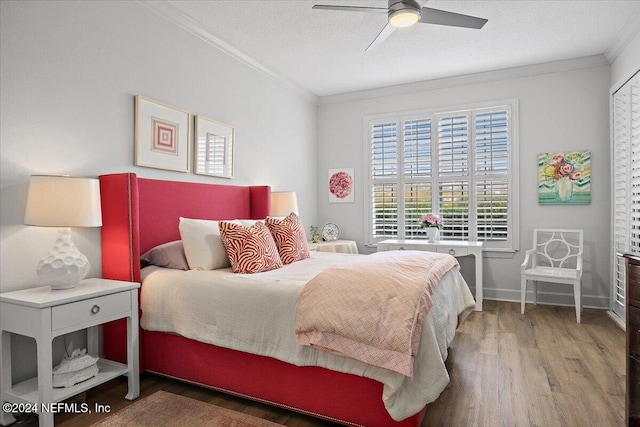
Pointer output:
x,y
62,201
283,203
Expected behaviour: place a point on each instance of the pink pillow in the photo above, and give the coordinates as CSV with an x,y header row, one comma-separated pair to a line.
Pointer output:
x,y
290,238
250,249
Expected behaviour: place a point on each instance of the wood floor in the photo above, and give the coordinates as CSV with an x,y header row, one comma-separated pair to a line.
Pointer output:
x,y
540,369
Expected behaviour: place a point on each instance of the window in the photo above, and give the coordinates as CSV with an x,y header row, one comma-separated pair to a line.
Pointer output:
x,y
457,164
625,124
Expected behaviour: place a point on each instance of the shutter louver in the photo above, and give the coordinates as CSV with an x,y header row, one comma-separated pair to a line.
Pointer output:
x,y
454,209
492,201
634,130
492,143
492,176
456,164
417,148
626,184
385,210
417,161
384,150
453,145
384,171
417,202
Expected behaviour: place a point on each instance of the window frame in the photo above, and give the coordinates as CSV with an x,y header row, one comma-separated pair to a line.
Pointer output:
x,y
471,178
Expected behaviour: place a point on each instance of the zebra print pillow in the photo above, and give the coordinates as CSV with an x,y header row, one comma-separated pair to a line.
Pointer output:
x,y
290,238
250,249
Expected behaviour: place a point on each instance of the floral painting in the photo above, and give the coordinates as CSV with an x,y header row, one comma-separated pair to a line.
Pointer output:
x,y
564,178
341,185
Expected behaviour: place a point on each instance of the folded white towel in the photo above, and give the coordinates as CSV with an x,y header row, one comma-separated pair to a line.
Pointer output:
x,y
79,360
69,379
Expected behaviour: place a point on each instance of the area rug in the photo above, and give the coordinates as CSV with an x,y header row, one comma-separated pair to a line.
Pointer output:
x,y
168,409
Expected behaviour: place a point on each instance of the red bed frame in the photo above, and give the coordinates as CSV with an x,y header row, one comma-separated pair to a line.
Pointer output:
x,y
139,214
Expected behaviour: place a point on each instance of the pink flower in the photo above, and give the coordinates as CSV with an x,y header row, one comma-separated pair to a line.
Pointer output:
x,y
557,160
565,169
340,184
575,176
430,220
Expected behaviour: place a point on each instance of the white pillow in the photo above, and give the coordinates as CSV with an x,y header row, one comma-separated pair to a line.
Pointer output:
x,y
247,222
203,245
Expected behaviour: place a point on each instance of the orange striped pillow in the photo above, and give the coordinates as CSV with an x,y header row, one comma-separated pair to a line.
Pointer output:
x,y
250,249
290,238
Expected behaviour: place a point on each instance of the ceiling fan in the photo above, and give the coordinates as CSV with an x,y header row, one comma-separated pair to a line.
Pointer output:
x,y
405,13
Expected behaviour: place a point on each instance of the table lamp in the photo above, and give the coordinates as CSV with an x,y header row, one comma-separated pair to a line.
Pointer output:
x,y
283,203
63,201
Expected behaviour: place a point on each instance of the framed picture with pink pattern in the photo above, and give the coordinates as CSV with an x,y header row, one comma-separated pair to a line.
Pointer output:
x,y
341,185
162,135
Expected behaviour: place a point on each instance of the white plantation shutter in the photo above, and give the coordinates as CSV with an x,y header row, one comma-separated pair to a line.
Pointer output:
x,y
625,117
457,165
454,205
417,201
384,172
417,166
635,164
492,156
453,146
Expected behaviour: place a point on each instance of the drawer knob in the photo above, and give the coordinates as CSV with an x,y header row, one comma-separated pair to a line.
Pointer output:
x,y
401,248
95,309
452,251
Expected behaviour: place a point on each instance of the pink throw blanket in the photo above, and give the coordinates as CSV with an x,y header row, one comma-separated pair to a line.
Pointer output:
x,y
372,309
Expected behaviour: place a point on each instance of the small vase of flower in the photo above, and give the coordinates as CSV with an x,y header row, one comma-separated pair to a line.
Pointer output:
x,y
433,224
315,236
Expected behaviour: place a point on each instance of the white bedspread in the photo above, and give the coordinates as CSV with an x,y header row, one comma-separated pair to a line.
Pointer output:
x,y
256,314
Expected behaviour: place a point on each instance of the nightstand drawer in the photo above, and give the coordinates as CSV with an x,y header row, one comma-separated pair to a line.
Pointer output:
x,y
453,251
80,312
402,247
633,330
634,284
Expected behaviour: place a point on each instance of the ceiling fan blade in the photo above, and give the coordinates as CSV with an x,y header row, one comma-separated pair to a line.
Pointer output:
x,y
351,8
382,36
442,17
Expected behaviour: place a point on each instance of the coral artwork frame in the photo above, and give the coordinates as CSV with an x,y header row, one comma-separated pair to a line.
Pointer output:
x,y
341,185
564,178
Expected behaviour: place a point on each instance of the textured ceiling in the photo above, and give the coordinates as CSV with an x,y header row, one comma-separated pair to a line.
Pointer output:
x,y
323,51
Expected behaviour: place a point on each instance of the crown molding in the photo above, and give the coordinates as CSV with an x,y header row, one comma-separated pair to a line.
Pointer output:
x,y
176,16
468,79
626,34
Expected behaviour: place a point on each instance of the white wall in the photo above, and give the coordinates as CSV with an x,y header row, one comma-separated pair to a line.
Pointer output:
x,y
69,73
563,106
627,61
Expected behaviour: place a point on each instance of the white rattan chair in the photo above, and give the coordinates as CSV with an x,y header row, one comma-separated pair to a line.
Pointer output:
x,y
556,257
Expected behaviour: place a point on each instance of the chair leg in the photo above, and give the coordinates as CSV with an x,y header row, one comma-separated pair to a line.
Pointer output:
x,y
535,291
577,290
523,293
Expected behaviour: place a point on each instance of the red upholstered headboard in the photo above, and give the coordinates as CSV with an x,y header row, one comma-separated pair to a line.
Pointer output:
x,y
138,214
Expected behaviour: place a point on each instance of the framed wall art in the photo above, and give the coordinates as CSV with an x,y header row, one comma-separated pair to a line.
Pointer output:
x,y
341,185
564,178
214,148
162,135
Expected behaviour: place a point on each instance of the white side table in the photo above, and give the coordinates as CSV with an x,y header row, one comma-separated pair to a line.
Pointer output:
x,y
456,248
339,246
43,314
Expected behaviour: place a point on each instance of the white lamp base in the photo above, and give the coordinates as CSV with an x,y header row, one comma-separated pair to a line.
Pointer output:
x,y
64,266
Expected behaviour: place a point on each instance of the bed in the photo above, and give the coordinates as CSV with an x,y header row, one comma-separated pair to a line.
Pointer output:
x,y
139,214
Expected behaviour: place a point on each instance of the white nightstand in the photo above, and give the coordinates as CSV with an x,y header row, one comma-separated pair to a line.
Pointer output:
x,y
340,246
43,314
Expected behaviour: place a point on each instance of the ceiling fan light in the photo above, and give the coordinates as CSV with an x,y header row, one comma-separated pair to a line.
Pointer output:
x,y
404,18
